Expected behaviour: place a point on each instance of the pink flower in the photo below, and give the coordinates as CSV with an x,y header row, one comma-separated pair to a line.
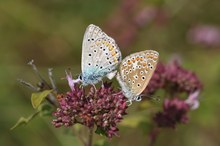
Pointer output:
x,y
193,100
103,108
174,111
174,79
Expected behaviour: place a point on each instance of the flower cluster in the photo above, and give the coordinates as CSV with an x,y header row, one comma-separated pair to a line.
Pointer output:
x,y
102,108
174,79
174,111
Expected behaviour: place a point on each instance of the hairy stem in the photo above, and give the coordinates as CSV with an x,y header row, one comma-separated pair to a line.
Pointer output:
x,y
52,81
27,84
31,63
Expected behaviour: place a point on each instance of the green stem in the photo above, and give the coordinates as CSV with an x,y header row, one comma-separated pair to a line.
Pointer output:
x,y
90,138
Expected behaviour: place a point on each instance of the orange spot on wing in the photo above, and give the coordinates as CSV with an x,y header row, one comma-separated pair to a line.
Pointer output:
x,y
113,53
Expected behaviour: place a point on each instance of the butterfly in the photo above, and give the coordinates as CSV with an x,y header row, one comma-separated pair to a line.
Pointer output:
x,y
100,56
135,72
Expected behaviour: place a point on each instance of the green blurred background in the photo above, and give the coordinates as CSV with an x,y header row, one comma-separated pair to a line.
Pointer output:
x,y
51,32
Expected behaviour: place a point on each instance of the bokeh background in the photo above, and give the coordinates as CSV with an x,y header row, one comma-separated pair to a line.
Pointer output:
x,y
51,32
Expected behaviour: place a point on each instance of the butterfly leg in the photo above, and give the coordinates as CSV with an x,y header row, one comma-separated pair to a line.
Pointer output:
x,y
94,87
81,86
129,102
102,84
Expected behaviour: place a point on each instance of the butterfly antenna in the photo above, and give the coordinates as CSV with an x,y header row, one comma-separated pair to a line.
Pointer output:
x,y
154,98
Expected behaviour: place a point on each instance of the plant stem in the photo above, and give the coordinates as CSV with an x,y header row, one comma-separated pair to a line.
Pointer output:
x,y
31,63
52,81
90,137
78,134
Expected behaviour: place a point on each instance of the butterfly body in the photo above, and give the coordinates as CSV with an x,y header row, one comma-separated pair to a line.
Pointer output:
x,y
136,71
100,56
89,76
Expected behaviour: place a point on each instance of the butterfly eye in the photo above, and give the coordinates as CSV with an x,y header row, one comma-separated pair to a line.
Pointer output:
x,y
80,77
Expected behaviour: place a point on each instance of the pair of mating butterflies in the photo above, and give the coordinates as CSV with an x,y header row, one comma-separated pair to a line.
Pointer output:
x,y
101,56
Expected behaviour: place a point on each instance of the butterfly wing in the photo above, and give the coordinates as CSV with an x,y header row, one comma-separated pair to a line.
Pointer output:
x,y
136,71
100,53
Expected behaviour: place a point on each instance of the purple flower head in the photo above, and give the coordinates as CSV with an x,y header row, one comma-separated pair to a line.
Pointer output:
x,y
158,79
180,79
174,111
103,108
174,79
207,35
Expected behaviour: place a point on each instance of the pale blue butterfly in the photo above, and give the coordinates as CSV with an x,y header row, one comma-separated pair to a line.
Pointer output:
x,y
100,56
135,72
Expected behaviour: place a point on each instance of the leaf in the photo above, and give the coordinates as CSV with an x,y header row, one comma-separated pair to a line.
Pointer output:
x,y
45,109
37,98
24,121
100,131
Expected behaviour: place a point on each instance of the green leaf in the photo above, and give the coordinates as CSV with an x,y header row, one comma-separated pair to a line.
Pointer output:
x,y
37,98
24,121
100,131
45,109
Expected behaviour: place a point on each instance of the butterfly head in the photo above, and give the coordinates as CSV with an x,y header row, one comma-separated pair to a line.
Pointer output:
x,y
80,77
